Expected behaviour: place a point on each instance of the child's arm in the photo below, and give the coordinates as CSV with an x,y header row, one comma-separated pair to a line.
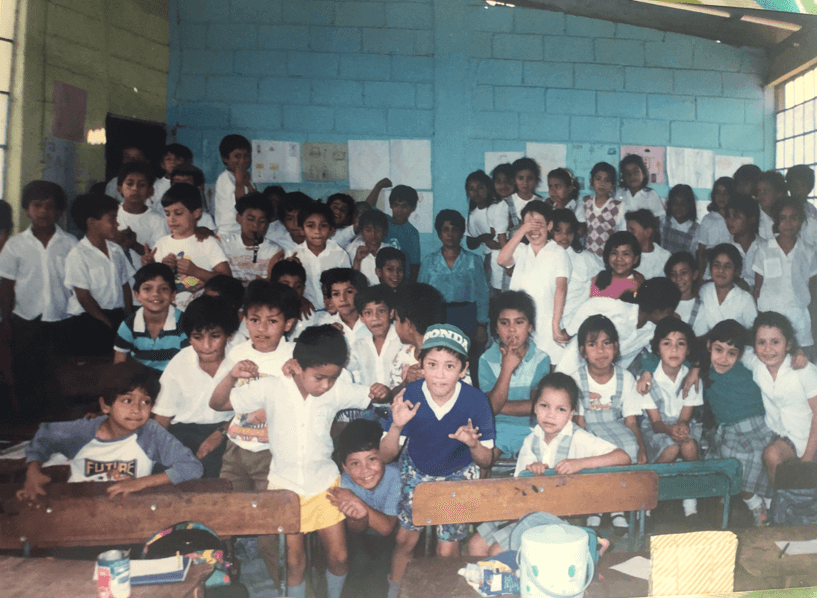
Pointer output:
x,y
35,483
505,257
498,395
402,412
374,194
630,422
89,304
188,268
644,383
680,431
559,336
469,435
242,182
359,515
613,458
811,444
220,400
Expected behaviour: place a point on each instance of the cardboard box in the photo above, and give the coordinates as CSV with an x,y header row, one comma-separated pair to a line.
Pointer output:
x,y
694,563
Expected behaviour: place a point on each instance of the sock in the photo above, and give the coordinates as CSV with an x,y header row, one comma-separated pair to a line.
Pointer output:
x,y
690,506
297,591
394,589
334,584
754,502
768,501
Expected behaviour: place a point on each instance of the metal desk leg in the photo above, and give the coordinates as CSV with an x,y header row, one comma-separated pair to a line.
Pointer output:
x,y
282,563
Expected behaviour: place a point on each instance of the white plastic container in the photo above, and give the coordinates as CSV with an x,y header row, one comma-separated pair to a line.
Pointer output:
x,y
555,562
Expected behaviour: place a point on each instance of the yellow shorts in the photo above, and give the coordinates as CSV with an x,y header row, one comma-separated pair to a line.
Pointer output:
x,y
318,513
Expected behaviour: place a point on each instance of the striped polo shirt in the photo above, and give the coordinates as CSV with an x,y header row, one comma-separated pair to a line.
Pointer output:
x,y
134,338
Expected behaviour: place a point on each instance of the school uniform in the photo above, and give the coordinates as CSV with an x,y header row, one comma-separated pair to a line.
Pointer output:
x,y
247,263
747,273
111,190
224,203
652,263
160,187
602,222
344,236
573,205
205,254
583,267
519,204
644,198
149,228
275,231
482,222
366,366
765,227
679,236
738,305
368,264
333,256
690,312
714,231
133,339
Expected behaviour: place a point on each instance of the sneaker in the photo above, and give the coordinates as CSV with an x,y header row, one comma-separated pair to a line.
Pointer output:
x,y
594,521
760,515
620,525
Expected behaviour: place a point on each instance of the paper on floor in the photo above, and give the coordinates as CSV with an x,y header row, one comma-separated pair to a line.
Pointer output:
x,y
638,566
798,547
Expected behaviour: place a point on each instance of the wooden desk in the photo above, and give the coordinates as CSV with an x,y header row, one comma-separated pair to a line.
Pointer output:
x,y
23,578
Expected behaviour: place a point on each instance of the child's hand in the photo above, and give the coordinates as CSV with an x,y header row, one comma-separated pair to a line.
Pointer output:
x,y
361,253
186,267
679,432
34,486
128,485
693,378
799,360
202,233
379,392
537,468
560,336
210,444
279,255
644,383
291,367
347,503
511,358
568,466
169,260
242,177
149,256
126,238
641,457
307,309
245,369
294,257
384,183
412,373
402,411
490,240
468,435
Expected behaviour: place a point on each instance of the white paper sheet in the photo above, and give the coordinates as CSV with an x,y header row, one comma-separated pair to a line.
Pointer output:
x,y
638,566
727,165
423,216
692,167
276,161
798,547
548,155
410,162
494,159
369,162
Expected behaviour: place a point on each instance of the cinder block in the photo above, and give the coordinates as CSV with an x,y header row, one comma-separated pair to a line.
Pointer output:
x,y
742,85
231,88
409,16
203,11
365,67
225,36
669,107
308,13
585,27
496,18
284,90
568,49
260,63
193,36
83,29
207,62
620,51
191,88
518,47
499,72
495,125
252,11
483,97
360,14
742,137
389,41
539,21
754,61
631,32
283,37
360,121
720,110
336,93
74,58
313,65
570,101
412,68
548,74
598,76
644,132
594,128
754,112
540,127
425,96
256,116
692,134
701,83
675,52
424,43
411,123
333,39
479,44
317,119
388,94
633,105
712,56
646,79
193,114
521,99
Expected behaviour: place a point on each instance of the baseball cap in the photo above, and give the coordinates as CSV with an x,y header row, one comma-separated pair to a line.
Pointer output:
x,y
448,336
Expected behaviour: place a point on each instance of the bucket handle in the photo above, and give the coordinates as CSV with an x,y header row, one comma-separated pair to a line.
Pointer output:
x,y
591,573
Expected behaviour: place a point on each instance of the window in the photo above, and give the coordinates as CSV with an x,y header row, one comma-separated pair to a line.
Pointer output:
x,y
8,10
797,124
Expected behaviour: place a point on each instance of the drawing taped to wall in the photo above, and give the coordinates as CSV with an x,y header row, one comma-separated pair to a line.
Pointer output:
x,y
323,162
693,167
276,161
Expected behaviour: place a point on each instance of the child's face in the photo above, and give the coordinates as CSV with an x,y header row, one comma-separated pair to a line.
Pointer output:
x,y
391,273
129,412
799,188
133,154
721,197
622,260
291,224
537,236
43,213
737,223
450,235
317,231
340,211
633,177
679,209
673,349
789,223
372,236
553,411
442,370
135,189
526,183
771,346
513,328
722,269
644,235
296,283
403,329
254,224
557,190
343,298
106,227
602,184
477,192
599,351
375,317
209,344
180,220
365,468
563,234
317,380
503,185
400,211
266,327
169,163
239,159
766,196
723,356
683,277
155,295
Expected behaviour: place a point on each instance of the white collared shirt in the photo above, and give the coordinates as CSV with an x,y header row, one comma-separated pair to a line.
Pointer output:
x,y
713,231
738,305
584,444
652,263
333,256
671,393
367,366
368,264
86,267
785,277
643,199
224,203
149,228
747,272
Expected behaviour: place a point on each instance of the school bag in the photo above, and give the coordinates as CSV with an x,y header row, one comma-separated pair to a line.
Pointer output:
x,y
795,495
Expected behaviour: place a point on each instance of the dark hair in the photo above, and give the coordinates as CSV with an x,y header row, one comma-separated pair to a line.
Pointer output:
x,y
185,194
609,169
228,288
272,295
405,194
379,293
725,331
668,325
154,270
287,268
729,251
463,359
320,345
315,207
190,170
358,436
556,381
680,257
421,304
748,173
564,175
292,202
787,202
537,206
518,300
42,190
208,313
729,186
386,254
638,161
775,179
142,168
255,201
646,219
617,239
480,177
527,164
6,225
334,276
451,216
178,150
773,319
374,217
654,295
119,379
800,172
274,190
506,169
91,206
349,201
230,143
684,193
563,215
593,326
741,202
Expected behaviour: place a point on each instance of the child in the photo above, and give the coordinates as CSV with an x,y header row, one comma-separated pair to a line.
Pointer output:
x,y
459,275
645,226
487,225
152,335
785,267
526,178
293,275
510,369
742,223
737,405
192,175
682,269
234,183
343,212
721,298
130,153
190,378
634,191
771,188
292,234
122,445
99,273
800,183
746,178
194,262
603,213
680,230
449,428
503,179
299,411
173,156
390,267
622,255
374,226
563,193
713,225
232,292
249,253
402,202
139,224
584,265
341,286
556,443
541,269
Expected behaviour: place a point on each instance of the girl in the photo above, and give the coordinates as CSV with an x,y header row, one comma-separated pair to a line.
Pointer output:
x,y
737,405
784,270
680,230
634,192
742,223
541,269
526,178
609,401
682,269
645,226
603,213
487,225
503,179
771,188
713,226
721,298
563,193
583,264
622,255
343,212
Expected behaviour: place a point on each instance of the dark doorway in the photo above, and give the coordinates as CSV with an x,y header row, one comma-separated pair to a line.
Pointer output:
x,y
122,131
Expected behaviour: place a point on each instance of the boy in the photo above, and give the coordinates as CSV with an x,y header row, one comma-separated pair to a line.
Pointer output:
x,y
192,175
318,252
232,292
130,153
122,445
645,226
403,201
139,225
390,267
341,286
234,183
374,226
99,273
299,411
33,297
173,156
275,193
250,254
742,222
190,378
293,275
289,234
193,261
152,335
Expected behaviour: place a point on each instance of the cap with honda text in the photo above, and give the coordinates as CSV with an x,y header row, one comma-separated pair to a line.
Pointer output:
x,y
448,336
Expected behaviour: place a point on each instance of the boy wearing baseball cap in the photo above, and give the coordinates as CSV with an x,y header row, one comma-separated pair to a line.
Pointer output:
x,y
450,429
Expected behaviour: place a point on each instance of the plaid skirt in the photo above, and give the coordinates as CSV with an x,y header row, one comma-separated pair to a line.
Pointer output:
x,y
657,443
615,432
745,441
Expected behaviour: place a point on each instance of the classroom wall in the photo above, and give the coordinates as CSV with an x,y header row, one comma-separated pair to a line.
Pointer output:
x,y
469,78
117,50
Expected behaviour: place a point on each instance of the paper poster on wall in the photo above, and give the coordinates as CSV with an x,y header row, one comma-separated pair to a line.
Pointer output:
x,y
422,217
494,159
276,161
548,155
692,167
581,157
654,158
368,163
70,108
727,165
323,162
410,162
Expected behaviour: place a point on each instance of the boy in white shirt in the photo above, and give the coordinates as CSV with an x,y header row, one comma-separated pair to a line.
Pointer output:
x,y
250,254
234,183
130,153
645,226
340,288
139,225
290,234
174,155
293,275
374,227
275,193
99,273
192,175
